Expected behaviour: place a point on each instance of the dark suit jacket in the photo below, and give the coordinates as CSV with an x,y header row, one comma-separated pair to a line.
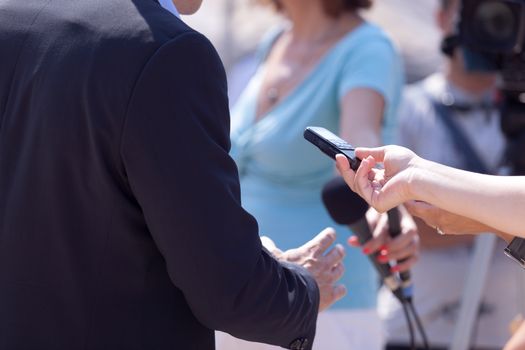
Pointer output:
x,y
120,220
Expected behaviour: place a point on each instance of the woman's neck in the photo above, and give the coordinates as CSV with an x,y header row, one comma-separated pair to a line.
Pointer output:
x,y
311,23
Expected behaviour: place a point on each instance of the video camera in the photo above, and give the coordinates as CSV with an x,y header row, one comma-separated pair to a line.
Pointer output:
x,y
491,34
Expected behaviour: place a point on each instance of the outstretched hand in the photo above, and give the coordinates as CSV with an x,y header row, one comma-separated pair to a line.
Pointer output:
x,y
323,260
384,188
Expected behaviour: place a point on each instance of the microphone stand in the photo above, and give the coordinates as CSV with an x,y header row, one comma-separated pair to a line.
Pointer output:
x,y
473,291
394,226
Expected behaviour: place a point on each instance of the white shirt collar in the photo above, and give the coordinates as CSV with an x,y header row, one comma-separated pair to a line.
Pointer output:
x,y
170,6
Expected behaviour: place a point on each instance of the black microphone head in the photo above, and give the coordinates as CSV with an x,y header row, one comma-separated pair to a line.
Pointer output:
x,y
344,206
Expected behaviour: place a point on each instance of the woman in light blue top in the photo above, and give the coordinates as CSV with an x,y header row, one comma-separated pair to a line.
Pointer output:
x,y
329,68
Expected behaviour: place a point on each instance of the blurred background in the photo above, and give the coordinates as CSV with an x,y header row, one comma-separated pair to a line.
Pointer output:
x,y
410,24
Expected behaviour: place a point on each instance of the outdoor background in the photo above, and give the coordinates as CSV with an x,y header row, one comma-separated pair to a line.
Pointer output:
x,y
236,26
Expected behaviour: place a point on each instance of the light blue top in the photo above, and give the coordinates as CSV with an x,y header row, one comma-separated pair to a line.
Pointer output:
x,y
282,174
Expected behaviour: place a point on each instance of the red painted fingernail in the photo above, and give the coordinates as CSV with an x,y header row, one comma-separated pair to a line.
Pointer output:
x,y
366,251
383,252
353,240
382,259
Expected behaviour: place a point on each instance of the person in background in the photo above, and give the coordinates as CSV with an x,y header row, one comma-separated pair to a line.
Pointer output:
x,y
467,98
328,67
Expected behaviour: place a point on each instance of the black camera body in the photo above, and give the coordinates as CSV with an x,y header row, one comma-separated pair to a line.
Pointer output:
x,y
491,34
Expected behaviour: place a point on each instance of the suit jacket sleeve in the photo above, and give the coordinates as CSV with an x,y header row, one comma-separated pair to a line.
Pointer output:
x,y
175,148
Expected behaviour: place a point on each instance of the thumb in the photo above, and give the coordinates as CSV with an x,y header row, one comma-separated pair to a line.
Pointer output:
x,y
322,241
339,292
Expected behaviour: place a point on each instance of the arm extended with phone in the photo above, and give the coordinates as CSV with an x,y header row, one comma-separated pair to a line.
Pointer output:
x,y
331,145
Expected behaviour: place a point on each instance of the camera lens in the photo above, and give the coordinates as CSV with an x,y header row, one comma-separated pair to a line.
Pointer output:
x,y
496,21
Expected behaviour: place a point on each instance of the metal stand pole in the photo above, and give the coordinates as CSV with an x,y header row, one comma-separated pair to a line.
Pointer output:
x,y
473,291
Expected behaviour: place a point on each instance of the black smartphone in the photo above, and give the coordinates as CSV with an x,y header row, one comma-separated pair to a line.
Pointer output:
x,y
331,144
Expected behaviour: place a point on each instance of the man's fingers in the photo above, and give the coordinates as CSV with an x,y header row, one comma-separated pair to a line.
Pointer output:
x,y
337,272
322,241
336,292
335,256
377,153
339,291
332,275
330,294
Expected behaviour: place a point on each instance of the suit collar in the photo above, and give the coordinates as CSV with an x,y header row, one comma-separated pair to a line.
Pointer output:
x,y
168,5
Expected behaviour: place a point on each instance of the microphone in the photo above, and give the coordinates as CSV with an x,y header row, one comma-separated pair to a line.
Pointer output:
x,y
347,208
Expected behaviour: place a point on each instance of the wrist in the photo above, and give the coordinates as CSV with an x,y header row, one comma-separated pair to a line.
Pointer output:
x,y
272,248
416,183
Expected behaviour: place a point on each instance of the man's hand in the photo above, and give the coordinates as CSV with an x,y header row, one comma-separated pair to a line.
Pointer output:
x,y
448,223
325,265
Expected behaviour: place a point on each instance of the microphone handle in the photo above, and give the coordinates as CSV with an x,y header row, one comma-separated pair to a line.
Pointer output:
x,y
362,231
394,224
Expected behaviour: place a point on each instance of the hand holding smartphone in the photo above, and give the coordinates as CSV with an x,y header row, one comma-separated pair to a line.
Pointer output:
x,y
331,145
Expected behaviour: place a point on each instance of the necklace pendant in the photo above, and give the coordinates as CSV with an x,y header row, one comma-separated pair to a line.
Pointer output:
x,y
272,94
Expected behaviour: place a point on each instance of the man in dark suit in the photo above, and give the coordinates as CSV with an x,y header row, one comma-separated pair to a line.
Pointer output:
x,y
120,220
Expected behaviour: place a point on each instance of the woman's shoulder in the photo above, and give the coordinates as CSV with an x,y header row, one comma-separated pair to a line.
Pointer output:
x,y
369,29
368,45
368,36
